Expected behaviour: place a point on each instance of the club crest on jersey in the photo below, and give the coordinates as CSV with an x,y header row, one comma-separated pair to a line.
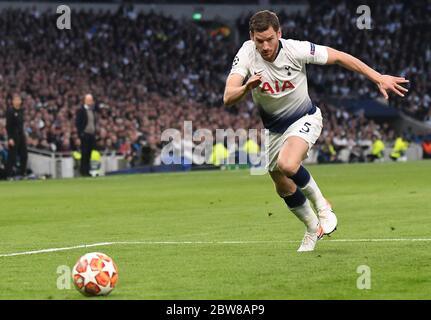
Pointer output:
x,y
276,87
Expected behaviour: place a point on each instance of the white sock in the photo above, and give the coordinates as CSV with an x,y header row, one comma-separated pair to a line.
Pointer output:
x,y
306,214
312,192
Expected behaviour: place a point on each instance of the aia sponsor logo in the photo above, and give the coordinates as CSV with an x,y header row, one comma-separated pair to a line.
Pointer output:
x,y
277,87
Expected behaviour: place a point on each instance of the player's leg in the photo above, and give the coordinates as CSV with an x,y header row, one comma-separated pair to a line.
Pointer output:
x,y
300,206
290,158
291,155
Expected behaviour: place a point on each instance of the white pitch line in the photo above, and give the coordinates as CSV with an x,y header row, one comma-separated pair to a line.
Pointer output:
x,y
380,240
105,244
56,249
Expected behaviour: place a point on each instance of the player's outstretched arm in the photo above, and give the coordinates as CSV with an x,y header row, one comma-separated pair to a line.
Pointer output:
x,y
235,90
385,83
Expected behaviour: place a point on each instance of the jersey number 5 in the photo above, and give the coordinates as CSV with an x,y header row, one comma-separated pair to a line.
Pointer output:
x,y
306,128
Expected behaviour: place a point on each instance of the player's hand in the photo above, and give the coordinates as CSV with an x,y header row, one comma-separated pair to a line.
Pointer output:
x,y
11,142
388,83
254,81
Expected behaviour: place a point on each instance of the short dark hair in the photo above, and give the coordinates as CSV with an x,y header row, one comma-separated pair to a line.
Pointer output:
x,y
262,20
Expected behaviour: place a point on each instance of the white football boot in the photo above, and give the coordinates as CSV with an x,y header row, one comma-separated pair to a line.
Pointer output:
x,y
310,238
328,219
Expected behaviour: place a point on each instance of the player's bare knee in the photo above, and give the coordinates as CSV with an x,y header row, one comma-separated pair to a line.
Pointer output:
x,y
288,167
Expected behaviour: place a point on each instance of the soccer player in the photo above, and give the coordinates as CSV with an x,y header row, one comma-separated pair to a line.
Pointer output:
x,y
274,70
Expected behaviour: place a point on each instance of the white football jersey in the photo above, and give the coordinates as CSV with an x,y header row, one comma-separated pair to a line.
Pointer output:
x,y
282,97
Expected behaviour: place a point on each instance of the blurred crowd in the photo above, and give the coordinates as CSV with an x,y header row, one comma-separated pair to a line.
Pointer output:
x,y
149,72
348,137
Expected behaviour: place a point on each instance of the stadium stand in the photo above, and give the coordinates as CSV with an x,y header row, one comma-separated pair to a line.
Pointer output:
x,y
150,72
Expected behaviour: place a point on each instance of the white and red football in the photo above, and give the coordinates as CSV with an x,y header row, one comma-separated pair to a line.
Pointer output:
x,y
95,274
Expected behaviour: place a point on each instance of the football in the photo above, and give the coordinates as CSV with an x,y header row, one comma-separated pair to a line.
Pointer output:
x,y
95,274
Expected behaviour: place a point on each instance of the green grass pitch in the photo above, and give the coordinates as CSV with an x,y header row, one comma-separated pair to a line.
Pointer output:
x,y
201,212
